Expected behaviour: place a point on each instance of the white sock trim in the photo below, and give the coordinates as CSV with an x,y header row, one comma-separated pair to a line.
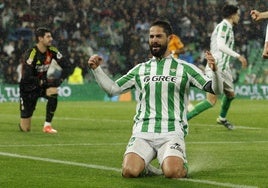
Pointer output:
x,y
47,123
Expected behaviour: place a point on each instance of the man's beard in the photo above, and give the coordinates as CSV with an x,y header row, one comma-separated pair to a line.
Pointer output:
x,y
158,53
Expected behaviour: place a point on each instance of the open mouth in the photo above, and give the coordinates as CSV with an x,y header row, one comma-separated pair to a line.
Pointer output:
x,y
155,48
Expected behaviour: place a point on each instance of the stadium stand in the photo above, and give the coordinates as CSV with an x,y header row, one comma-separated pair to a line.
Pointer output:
x,y
83,27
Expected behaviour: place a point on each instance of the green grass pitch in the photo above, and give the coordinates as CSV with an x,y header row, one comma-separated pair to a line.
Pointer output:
x,y
91,140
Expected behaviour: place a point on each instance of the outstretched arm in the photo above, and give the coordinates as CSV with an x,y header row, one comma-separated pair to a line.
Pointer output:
x,y
107,84
257,15
224,48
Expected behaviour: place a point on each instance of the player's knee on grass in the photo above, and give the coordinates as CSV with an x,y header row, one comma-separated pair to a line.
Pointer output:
x,y
25,124
132,165
130,172
173,167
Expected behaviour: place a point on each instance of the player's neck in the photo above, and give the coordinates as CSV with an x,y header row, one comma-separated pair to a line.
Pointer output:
x,y
230,20
164,56
41,47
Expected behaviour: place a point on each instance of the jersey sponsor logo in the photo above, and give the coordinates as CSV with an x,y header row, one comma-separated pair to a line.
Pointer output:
x,y
42,68
160,78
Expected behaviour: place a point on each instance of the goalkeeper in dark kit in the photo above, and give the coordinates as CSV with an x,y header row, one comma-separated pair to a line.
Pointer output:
x,y
43,70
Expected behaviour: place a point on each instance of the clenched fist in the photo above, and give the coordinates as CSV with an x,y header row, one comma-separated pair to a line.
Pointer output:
x,y
94,61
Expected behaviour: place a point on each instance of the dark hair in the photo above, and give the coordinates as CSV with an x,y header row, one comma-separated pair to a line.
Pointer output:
x,y
229,10
165,25
41,31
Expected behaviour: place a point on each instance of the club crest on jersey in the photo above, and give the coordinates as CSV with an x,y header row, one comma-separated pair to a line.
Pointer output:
x,y
223,34
147,71
160,78
59,55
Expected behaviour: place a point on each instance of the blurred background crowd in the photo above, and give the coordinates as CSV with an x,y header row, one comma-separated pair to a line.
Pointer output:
x,y
118,31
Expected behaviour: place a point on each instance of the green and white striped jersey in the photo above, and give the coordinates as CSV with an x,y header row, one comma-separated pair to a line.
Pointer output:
x,y
162,88
222,44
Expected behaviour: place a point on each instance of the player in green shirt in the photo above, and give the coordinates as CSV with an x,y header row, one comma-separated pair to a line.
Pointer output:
x,y
221,46
162,86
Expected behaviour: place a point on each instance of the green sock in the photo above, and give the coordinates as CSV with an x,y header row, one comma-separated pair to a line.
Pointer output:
x,y
225,105
185,165
200,107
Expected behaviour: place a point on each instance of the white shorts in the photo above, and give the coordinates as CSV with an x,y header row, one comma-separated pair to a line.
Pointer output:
x,y
158,147
227,78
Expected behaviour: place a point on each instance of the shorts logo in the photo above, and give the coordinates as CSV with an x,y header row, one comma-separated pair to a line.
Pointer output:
x,y
59,55
176,146
131,141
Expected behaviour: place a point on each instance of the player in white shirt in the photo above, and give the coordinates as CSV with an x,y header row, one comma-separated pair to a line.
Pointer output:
x,y
160,124
221,46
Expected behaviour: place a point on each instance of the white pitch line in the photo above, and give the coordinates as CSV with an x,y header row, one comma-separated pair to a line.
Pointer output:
x,y
60,162
78,144
100,167
218,183
120,144
233,142
216,125
77,119
127,121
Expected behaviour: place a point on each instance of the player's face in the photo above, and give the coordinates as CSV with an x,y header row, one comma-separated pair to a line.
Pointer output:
x,y
47,39
158,41
236,18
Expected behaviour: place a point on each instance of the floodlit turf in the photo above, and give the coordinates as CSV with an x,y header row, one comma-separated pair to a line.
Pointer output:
x,y
91,139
